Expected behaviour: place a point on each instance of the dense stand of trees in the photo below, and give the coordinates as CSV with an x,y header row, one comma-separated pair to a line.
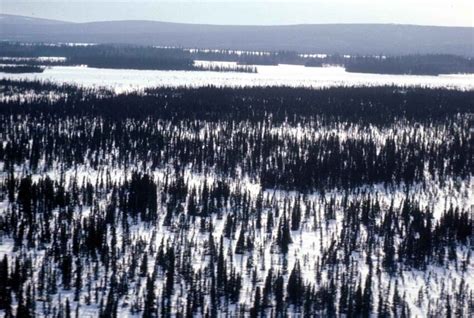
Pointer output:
x,y
249,58
411,64
175,202
427,64
227,68
380,106
21,69
107,56
153,58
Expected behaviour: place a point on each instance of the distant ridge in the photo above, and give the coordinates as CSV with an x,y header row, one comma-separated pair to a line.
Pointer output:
x,y
389,39
19,19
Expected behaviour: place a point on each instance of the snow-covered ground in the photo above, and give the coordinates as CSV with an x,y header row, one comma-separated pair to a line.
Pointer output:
x,y
281,75
308,245
320,236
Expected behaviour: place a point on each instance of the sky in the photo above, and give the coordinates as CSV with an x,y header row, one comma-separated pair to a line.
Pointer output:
x,y
256,12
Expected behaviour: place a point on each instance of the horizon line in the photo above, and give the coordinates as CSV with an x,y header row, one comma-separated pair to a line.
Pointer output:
x,y
235,25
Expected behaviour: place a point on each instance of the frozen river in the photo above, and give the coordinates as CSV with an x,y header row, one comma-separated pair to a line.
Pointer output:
x,y
281,75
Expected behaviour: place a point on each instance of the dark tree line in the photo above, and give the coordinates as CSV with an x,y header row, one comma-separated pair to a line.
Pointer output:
x,y
106,56
156,58
422,64
14,69
102,56
366,105
411,64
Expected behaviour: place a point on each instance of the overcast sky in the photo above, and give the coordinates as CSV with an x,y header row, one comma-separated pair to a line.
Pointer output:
x,y
267,12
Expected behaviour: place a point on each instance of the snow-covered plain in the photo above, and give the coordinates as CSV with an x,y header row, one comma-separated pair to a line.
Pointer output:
x,y
310,243
282,75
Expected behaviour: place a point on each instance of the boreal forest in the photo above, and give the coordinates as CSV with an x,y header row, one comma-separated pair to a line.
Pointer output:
x,y
18,57
235,202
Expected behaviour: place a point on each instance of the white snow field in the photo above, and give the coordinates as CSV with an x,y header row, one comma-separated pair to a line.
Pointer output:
x,y
282,75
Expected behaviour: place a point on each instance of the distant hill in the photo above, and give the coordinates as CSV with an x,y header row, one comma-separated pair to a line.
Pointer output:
x,y
8,19
370,39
